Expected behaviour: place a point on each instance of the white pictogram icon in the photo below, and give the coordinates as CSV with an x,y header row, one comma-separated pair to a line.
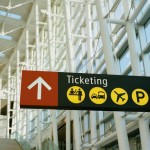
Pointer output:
x,y
39,81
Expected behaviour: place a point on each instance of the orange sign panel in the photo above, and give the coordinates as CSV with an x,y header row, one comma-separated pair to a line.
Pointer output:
x,y
39,89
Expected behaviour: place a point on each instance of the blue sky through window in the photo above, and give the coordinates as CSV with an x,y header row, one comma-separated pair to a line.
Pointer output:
x,y
6,37
10,15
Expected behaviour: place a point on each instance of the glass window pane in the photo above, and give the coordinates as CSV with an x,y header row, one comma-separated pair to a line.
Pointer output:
x,y
124,61
147,30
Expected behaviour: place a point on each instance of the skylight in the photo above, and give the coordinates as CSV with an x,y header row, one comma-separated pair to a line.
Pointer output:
x,y
2,55
10,15
6,37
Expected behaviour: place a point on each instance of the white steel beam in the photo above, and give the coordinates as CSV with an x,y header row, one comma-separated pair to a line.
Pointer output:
x,y
20,40
54,38
55,15
27,48
59,42
17,93
111,69
79,36
93,128
71,68
39,136
116,21
137,10
55,132
89,36
70,49
137,116
83,1
8,101
131,117
78,1
90,68
107,49
50,49
68,130
77,129
11,31
37,43
144,133
27,67
9,6
49,24
50,52
135,63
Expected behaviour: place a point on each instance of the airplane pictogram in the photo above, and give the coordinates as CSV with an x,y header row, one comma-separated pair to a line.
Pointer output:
x,y
119,96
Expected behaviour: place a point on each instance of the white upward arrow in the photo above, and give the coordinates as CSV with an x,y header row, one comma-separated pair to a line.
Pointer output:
x,y
39,81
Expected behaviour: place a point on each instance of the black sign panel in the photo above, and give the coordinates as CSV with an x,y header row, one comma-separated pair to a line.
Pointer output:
x,y
103,92
84,91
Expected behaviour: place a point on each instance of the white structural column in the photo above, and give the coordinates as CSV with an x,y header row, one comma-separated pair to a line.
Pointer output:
x,y
27,67
110,66
90,69
39,136
27,125
135,63
101,126
49,25
144,133
71,67
54,38
68,129
27,49
55,132
17,93
107,49
37,67
8,100
121,131
77,129
70,49
37,35
89,35
93,128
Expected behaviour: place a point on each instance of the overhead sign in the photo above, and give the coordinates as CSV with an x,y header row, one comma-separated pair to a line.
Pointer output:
x,y
84,91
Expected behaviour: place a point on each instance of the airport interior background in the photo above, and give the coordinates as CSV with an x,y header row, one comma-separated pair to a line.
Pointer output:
x,y
78,36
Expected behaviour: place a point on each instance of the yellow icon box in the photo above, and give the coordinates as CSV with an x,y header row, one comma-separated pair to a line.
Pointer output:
x,y
75,94
119,96
98,95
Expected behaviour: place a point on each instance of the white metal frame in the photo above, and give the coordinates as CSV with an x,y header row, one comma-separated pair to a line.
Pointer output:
x,y
57,39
